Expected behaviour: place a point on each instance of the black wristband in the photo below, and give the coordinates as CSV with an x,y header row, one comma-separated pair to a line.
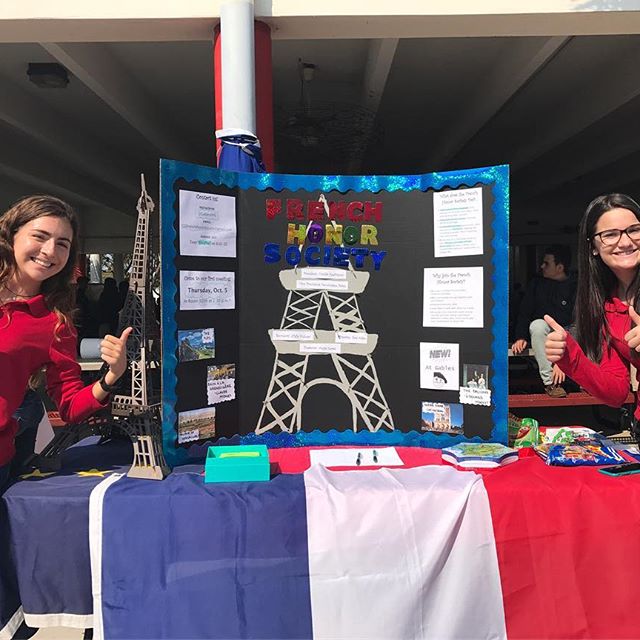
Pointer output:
x,y
108,388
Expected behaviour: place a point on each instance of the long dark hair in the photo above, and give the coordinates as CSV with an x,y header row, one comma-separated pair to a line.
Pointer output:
x,y
57,290
596,282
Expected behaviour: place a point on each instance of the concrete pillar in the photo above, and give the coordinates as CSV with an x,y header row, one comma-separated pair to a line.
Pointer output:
x,y
95,267
238,65
263,91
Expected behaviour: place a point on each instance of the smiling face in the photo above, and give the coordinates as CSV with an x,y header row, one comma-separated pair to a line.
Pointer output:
x,y
623,256
41,250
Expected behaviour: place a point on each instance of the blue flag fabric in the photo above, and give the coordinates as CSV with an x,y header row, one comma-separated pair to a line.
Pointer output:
x,y
10,609
241,153
240,571
54,571
322,555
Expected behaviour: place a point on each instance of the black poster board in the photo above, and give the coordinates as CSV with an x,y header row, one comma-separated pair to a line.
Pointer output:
x,y
392,270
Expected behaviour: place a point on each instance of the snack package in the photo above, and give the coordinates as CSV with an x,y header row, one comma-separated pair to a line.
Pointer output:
x,y
513,426
570,435
573,455
528,435
543,449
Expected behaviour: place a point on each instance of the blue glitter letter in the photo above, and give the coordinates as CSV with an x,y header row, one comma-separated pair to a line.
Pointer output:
x,y
271,252
292,255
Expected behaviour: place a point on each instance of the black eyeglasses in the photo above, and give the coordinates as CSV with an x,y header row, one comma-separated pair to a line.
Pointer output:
x,y
612,236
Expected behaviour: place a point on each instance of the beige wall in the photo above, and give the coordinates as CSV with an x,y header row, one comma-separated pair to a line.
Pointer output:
x,y
140,20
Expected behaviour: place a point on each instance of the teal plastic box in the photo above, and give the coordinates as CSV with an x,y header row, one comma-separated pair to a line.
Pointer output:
x,y
240,463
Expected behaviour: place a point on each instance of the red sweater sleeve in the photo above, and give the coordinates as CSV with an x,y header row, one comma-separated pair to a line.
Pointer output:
x,y
75,401
607,381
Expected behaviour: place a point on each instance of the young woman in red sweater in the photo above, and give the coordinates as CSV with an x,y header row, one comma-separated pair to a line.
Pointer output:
x,y
38,251
607,324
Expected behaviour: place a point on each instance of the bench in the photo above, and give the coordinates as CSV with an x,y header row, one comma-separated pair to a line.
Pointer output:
x,y
574,399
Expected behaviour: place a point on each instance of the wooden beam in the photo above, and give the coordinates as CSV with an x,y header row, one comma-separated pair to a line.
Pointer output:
x,y
608,87
507,78
43,172
96,67
81,150
378,65
581,398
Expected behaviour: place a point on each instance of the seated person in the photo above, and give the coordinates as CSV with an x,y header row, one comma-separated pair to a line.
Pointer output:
x,y
607,328
28,417
553,294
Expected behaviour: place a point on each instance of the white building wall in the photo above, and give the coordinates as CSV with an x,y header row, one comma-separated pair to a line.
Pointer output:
x,y
157,20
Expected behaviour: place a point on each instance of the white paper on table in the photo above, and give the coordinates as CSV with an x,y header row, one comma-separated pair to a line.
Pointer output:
x,y
207,224
457,223
453,297
338,457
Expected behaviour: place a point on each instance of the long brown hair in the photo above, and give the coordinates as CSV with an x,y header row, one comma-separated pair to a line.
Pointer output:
x,y
57,290
596,282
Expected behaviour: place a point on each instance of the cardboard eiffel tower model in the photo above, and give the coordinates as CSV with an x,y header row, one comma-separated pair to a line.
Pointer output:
x,y
135,410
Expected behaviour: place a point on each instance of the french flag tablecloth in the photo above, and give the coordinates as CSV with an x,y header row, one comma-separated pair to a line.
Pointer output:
x,y
522,551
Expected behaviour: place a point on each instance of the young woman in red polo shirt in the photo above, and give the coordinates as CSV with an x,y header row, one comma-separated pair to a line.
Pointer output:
x,y
607,324
38,250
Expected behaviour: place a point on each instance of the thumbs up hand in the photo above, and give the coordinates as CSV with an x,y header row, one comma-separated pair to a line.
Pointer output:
x,y
556,342
113,351
632,337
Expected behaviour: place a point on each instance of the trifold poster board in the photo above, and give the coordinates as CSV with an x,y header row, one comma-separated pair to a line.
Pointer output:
x,y
315,310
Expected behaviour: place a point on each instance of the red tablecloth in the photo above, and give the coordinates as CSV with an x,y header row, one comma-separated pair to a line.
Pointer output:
x,y
567,541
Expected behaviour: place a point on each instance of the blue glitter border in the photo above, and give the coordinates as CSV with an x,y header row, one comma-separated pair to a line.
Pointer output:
x,y
171,170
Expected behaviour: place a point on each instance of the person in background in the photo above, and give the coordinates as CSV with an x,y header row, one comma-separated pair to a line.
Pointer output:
x,y
38,251
607,323
108,307
123,290
553,294
28,417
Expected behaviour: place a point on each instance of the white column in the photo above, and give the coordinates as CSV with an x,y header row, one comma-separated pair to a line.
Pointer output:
x,y
238,65
95,267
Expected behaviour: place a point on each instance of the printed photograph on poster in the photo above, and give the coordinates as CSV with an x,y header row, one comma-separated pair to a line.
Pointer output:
x,y
457,223
442,417
207,225
221,383
475,385
439,366
196,344
207,290
453,298
197,424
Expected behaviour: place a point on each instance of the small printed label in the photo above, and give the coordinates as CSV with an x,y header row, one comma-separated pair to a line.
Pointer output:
x,y
188,436
292,335
319,347
469,395
350,337
329,285
324,274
